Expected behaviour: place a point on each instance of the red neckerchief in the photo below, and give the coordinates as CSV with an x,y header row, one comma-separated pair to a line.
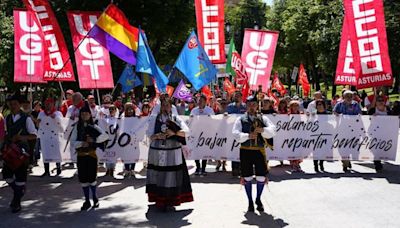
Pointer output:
x,y
51,111
80,105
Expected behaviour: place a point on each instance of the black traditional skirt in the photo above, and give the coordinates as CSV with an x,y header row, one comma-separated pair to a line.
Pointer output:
x,y
168,181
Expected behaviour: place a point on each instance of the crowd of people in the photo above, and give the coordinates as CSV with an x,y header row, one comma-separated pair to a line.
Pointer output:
x,y
168,181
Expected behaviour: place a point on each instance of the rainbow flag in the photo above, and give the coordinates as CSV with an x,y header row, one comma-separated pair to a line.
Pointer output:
x,y
113,31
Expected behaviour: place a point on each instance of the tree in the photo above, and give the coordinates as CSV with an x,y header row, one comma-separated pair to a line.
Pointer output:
x,y
246,14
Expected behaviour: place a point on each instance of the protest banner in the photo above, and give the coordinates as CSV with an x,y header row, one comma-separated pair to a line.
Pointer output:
x,y
258,54
29,51
321,137
367,35
58,66
210,27
93,60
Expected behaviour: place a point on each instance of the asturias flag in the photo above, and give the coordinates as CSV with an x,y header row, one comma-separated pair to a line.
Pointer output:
x,y
113,31
194,63
128,79
147,64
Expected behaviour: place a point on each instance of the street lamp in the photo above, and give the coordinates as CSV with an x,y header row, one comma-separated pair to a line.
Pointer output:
x,y
256,26
228,27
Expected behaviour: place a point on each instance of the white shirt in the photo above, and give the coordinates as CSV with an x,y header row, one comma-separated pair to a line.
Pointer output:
x,y
73,112
269,130
312,107
95,110
30,126
206,111
157,108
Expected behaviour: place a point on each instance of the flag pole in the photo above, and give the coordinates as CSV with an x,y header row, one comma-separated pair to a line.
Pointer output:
x,y
98,96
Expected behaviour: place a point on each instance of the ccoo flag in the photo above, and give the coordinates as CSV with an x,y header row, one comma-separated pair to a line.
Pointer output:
x,y
147,64
194,63
128,79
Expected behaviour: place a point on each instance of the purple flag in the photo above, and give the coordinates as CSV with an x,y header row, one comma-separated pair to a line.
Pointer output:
x,y
182,92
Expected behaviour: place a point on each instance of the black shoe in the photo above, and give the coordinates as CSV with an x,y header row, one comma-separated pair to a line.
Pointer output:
x,y
322,168
203,173
260,206
13,202
86,205
316,169
45,174
345,170
95,203
16,207
198,172
251,207
349,165
58,172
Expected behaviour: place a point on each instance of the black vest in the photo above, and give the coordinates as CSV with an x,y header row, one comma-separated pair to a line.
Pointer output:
x,y
249,126
83,132
19,127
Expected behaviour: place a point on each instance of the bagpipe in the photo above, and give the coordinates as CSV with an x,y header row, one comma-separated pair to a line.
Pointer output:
x,y
257,122
173,126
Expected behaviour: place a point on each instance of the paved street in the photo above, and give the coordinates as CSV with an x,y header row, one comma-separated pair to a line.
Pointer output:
x,y
362,198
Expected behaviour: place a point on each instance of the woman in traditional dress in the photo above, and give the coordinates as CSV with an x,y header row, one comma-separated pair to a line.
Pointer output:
x,y
168,181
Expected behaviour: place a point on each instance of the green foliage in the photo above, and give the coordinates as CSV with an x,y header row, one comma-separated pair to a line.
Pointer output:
x,y
245,14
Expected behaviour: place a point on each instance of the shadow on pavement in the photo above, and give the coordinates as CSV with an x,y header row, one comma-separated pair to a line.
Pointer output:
x,y
390,173
157,218
263,220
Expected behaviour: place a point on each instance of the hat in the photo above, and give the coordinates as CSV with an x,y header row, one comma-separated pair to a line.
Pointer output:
x,y
296,97
294,102
85,108
15,97
317,92
251,99
70,91
90,96
348,92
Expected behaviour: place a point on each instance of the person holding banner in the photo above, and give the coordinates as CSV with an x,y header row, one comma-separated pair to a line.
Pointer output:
x,y
129,111
321,110
20,129
236,107
294,109
65,104
168,181
94,108
378,108
50,110
251,130
347,107
85,139
77,104
201,109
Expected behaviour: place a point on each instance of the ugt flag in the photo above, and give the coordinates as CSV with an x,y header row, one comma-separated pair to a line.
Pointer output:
x,y
194,63
146,63
128,79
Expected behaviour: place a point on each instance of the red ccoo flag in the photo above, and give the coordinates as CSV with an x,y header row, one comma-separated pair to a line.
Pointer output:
x,y
278,85
228,86
303,81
